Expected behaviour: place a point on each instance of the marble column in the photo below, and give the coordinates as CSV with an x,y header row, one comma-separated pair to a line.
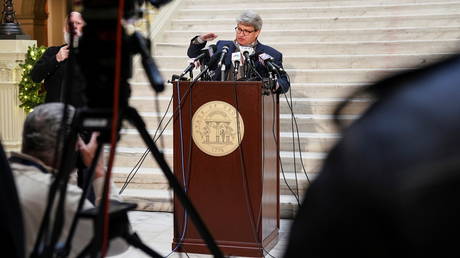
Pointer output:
x,y
12,53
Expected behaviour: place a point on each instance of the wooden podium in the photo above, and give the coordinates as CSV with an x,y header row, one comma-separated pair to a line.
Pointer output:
x,y
236,193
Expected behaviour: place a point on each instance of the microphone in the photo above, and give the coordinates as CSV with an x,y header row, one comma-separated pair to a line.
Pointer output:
x,y
268,62
247,52
189,67
222,56
211,50
206,53
272,61
236,60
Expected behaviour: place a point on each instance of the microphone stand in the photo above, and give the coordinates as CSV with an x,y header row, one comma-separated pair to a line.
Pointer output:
x,y
201,74
222,73
235,71
253,69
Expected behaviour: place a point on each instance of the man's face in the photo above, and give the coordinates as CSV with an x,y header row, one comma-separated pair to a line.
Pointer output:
x,y
77,23
246,34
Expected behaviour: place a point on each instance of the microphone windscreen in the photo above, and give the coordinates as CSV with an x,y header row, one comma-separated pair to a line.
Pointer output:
x,y
214,59
250,50
265,57
236,56
212,49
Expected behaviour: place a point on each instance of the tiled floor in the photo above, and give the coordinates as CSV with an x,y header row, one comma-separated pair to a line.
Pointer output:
x,y
156,230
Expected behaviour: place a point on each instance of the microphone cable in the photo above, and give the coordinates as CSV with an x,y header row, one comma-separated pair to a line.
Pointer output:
x,y
276,142
293,149
185,177
296,196
296,131
249,206
139,163
185,180
147,151
296,127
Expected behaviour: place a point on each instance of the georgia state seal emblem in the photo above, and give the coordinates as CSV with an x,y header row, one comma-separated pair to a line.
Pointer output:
x,y
215,128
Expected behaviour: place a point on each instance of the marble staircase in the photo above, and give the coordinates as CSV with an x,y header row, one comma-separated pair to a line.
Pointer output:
x,y
330,48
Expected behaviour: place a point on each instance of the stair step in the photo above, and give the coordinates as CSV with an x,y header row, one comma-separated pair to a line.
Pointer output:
x,y
305,122
354,75
128,157
209,4
315,142
327,61
325,11
298,105
324,35
161,200
343,22
290,182
339,48
308,90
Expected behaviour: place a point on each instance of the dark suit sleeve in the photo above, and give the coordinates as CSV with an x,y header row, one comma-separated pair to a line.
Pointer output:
x,y
46,65
194,49
283,81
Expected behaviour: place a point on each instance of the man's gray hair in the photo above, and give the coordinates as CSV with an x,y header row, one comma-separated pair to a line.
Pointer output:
x,y
41,129
250,18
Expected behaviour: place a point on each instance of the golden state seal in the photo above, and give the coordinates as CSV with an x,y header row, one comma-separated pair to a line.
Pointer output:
x,y
215,128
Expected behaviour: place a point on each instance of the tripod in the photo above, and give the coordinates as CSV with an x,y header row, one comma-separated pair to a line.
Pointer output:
x,y
119,227
118,218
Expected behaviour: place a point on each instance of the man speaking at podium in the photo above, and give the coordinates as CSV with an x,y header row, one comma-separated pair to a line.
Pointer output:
x,y
257,60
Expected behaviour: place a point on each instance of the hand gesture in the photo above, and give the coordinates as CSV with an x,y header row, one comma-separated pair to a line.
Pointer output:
x,y
208,36
63,53
88,152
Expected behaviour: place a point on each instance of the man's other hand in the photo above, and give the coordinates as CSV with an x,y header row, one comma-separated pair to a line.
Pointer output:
x,y
63,53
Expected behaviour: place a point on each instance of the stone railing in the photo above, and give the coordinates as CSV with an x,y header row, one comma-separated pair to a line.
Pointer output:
x,y
12,53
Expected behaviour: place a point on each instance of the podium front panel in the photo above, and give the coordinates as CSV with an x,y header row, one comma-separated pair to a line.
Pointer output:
x,y
236,194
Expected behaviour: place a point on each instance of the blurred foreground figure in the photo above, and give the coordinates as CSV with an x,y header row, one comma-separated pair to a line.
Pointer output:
x,y
391,186
34,169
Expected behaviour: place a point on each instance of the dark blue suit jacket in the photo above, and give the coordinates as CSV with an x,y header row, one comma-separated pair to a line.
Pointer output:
x,y
194,50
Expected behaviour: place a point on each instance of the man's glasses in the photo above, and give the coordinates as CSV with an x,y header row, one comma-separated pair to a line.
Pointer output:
x,y
245,32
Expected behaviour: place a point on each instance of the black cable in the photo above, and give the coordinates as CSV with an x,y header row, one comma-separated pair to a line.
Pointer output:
x,y
186,176
294,149
297,197
147,151
189,91
286,182
139,163
266,252
297,130
249,205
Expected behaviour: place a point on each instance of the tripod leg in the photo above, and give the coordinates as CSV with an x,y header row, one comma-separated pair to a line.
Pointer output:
x,y
134,240
135,119
68,244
